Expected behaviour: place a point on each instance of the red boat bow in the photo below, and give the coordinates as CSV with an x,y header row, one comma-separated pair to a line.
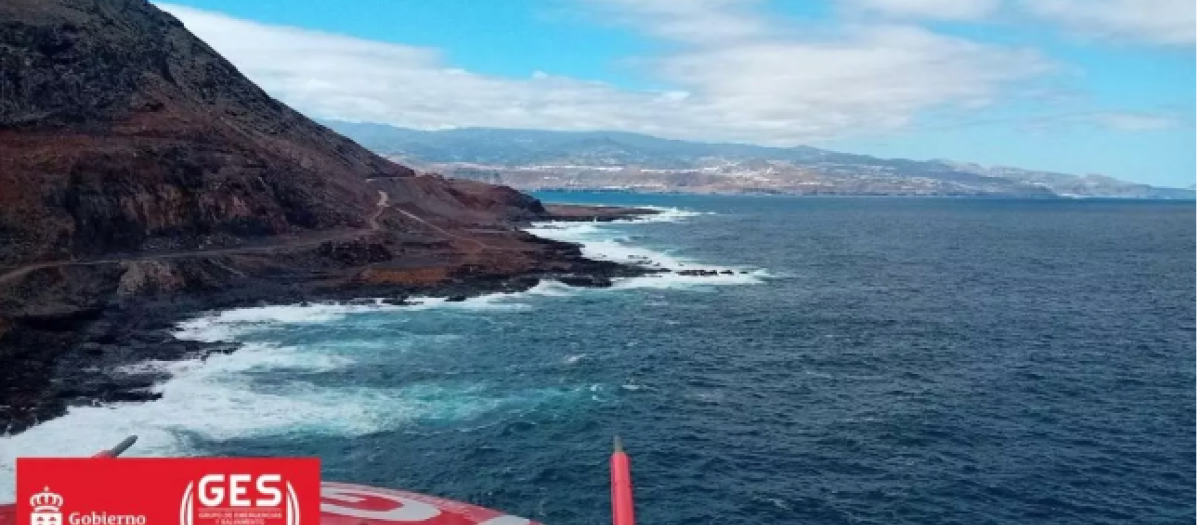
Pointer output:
x,y
347,504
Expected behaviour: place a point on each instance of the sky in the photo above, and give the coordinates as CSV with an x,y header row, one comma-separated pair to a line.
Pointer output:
x,y
1079,86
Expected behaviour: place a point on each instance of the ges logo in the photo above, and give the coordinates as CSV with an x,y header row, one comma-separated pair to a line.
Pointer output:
x,y
239,499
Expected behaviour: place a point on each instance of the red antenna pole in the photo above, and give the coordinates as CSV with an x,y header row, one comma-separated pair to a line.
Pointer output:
x,y
622,486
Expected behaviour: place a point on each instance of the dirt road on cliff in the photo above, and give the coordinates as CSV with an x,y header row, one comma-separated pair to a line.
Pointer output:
x,y
312,239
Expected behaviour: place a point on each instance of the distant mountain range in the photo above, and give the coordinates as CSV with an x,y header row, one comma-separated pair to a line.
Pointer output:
x,y
538,159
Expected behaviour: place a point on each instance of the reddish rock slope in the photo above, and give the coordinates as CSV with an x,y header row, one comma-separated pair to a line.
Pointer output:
x,y
143,177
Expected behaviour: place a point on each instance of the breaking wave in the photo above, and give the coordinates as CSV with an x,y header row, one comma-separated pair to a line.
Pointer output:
x,y
239,395
612,241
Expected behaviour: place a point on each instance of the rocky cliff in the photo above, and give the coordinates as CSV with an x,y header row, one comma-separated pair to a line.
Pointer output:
x,y
142,177
120,131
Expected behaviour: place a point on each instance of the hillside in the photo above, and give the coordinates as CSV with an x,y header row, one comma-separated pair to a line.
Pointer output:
x,y
535,159
143,178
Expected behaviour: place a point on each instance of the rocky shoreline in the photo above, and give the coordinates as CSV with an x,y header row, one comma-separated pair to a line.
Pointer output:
x,y
88,355
145,180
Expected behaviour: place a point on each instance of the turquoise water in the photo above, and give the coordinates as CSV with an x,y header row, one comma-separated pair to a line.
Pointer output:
x,y
868,361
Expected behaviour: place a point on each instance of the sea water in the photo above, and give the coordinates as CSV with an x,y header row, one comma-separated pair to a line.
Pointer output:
x,y
866,360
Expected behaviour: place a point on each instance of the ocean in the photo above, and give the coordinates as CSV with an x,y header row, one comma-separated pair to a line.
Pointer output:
x,y
865,360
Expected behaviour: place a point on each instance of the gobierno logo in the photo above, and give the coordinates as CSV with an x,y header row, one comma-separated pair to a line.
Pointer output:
x,y
47,508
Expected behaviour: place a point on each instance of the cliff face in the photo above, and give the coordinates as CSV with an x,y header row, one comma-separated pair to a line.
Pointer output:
x,y
142,178
120,132
127,144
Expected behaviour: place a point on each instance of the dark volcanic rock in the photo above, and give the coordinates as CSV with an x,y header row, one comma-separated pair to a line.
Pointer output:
x,y
143,178
401,300
585,280
120,131
572,213
355,252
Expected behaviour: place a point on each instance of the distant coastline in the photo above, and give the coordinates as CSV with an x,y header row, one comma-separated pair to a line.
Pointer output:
x,y
752,193
604,160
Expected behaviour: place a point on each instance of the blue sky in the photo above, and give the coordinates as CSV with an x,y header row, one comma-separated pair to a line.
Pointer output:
x,y
1081,86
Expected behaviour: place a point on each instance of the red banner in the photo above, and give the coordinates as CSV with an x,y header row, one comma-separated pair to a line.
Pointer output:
x,y
174,491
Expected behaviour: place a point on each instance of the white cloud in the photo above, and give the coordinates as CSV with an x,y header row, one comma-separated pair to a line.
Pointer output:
x,y
1136,121
736,76
699,22
931,9
874,77
1164,22
1158,22
1117,120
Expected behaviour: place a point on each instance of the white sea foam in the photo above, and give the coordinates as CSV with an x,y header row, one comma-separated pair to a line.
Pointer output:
x,y
609,241
666,214
211,399
230,325
219,398
548,288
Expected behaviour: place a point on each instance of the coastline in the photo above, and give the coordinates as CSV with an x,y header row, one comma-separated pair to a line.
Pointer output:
x,y
208,388
675,192
70,356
